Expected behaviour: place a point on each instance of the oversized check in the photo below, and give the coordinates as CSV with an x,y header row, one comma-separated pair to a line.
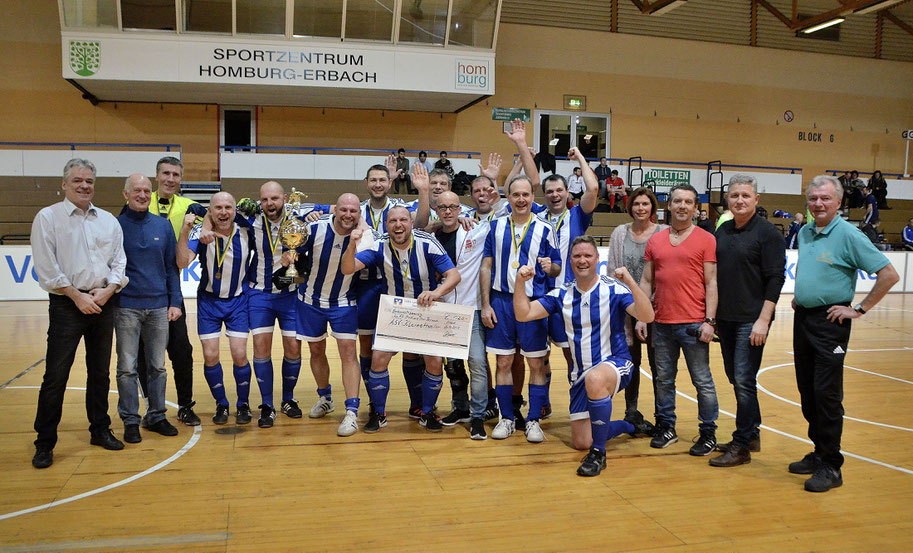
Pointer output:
x,y
442,329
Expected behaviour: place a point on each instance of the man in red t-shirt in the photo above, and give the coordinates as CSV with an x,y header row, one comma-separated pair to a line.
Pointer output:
x,y
680,270
615,187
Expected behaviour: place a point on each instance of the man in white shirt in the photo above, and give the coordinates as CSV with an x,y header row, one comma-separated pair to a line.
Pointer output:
x,y
80,261
575,186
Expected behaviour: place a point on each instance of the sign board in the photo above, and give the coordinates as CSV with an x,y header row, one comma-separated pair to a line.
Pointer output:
x,y
510,114
443,329
907,134
667,178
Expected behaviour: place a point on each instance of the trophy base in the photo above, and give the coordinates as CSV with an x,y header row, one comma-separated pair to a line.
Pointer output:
x,y
285,280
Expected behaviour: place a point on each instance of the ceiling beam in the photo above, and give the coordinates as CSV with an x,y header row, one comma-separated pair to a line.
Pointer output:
x,y
648,7
786,21
897,21
846,7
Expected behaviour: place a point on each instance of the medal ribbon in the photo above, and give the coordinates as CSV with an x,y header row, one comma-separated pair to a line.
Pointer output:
x,y
561,220
380,220
489,218
513,234
404,268
222,252
269,231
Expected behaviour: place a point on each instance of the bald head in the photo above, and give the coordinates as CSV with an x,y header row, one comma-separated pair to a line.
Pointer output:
x,y
448,210
271,187
348,213
272,200
348,199
222,212
138,192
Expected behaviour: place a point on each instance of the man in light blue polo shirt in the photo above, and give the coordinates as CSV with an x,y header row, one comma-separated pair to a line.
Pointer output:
x,y
831,252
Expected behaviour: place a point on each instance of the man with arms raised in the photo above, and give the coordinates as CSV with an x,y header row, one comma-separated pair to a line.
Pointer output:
x,y
593,310
408,261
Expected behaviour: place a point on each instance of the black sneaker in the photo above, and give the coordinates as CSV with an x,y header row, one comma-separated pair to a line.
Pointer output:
x,y
221,416
754,446
290,409
431,422
163,427
415,412
106,439
642,427
664,437
44,457
705,444
592,464
187,416
824,478
375,422
519,420
267,416
492,412
808,465
243,416
131,434
545,412
477,429
456,416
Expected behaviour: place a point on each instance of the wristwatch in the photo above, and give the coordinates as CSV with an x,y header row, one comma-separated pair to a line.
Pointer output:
x,y
710,320
858,307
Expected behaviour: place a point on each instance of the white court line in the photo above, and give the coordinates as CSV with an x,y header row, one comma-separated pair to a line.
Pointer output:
x,y
190,443
797,438
905,348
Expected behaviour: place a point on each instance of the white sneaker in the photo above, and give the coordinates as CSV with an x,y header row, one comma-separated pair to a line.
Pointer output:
x,y
349,425
503,430
322,408
534,432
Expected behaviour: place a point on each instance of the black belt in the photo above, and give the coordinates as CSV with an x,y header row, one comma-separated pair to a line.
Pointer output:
x,y
820,307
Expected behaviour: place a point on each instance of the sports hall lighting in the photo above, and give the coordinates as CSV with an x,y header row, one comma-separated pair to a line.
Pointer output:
x,y
825,25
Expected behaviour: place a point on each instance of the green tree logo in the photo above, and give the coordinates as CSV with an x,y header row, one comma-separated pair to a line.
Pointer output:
x,y
84,57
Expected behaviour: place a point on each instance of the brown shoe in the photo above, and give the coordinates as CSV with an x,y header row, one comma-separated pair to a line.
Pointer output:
x,y
754,446
733,457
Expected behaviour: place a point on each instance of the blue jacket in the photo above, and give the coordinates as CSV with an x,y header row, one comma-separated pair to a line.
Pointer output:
x,y
151,265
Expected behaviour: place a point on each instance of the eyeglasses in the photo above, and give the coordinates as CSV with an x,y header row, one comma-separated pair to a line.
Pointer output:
x,y
448,207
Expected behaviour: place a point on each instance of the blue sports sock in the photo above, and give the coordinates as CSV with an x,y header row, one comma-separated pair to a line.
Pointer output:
x,y
412,372
242,381
291,368
505,392
431,388
600,413
548,388
352,404
378,388
326,392
263,370
365,363
538,394
213,376
617,428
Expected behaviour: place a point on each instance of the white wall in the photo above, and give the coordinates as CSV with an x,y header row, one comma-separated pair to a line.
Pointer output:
x,y
108,163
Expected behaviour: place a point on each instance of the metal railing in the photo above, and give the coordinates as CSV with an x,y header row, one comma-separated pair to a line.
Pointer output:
x,y
75,145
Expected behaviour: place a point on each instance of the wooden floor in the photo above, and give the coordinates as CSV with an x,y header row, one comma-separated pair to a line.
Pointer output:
x,y
299,487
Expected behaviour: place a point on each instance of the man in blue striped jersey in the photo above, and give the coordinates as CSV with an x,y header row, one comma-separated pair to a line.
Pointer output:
x,y
327,297
268,303
410,262
519,239
592,309
221,298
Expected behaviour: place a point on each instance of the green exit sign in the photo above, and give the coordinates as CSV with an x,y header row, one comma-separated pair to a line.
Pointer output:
x,y
576,103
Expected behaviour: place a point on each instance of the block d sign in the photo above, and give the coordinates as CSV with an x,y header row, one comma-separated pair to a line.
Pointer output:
x,y
510,114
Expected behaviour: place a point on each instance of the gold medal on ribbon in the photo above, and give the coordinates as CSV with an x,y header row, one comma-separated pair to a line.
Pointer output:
x,y
268,229
222,252
404,263
517,243
515,264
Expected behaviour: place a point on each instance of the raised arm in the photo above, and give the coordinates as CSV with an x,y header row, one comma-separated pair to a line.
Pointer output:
x,y
423,186
185,255
517,135
524,310
642,308
348,264
590,182
493,169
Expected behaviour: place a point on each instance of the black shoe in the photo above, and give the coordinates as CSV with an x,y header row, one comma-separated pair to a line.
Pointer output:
x,y
824,478
592,464
734,456
808,465
187,416
131,434
415,412
221,416
663,437
545,412
243,416
164,428
705,444
519,420
492,412
477,429
642,427
456,416
44,457
431,422
290,409
267,416
375,422
754,446
106,439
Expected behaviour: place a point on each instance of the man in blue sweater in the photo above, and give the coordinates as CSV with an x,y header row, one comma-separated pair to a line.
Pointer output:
x,y
145,307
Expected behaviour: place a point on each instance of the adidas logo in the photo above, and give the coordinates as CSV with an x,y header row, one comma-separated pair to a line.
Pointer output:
x,y
379,387
597,423
586,304
838,349
337,247
217,386
245,383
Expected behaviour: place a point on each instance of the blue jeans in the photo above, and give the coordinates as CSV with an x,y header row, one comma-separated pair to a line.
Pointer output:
x,y
152,326
742,361
669,340
476,401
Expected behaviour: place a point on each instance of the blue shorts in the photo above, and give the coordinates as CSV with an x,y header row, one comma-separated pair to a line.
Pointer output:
x,y
556,330
213,311
580,408
367,294
312,322
503,339
265,308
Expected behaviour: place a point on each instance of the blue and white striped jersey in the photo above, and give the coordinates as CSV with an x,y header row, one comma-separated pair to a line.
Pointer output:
x,y
570,224
535,240
223,263
408,274
326,286
593,319
377,221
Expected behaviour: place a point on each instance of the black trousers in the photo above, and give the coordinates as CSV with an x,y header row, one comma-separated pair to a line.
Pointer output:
x,y
820,348
632,392
181,354
68,325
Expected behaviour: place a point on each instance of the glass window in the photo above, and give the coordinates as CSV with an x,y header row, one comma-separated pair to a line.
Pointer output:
x,y
423,21
90,13
148,14
554,134
369,19
264,17
318,18
473,23
207,16
591,136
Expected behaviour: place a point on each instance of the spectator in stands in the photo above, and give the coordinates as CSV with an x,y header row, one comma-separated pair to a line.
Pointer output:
x,y
402,173
907,236
615,188
423,159
575,184
871,208
871,232
444,163
879,188
704,222
854,192
603,173
792,235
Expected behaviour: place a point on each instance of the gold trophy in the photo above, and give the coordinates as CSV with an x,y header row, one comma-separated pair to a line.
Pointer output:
x,y
293,233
